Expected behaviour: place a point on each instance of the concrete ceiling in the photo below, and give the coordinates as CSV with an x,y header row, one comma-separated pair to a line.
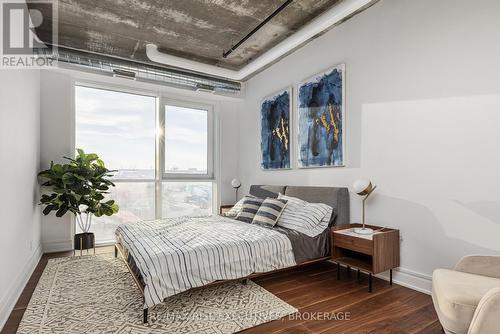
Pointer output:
x,y
194,29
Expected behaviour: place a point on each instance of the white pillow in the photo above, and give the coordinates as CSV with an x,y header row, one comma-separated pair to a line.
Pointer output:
x,y
310,219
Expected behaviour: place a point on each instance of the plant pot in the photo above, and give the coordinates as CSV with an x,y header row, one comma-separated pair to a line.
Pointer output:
x,y
84,241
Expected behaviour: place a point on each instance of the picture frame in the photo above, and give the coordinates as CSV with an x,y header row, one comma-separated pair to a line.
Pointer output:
x,y
275,118
321,119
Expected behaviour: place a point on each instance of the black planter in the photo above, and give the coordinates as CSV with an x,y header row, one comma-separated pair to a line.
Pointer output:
x,y
84,241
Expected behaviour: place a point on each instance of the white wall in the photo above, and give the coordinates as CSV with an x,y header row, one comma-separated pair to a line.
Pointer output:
x,y
56,141
404,50
20,248
57,134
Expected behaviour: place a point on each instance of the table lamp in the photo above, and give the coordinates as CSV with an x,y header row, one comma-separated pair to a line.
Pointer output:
x,y
235,183
363,187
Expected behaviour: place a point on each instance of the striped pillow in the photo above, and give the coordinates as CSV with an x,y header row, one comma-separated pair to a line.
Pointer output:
x,y
236,209
310,219
249,208
269,212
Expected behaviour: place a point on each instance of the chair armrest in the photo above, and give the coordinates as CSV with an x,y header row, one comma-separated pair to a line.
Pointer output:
x,y
485,265
486,319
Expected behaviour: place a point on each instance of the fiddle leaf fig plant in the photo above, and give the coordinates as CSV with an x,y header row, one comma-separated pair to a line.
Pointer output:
x,y
78,187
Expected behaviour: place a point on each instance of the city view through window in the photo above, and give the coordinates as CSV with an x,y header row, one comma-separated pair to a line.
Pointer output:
x,y
121,128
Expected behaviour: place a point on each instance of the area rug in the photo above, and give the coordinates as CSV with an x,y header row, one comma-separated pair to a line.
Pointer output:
x,y
97,294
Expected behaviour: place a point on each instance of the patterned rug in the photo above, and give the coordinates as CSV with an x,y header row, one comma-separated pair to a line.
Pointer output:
x,y
97,294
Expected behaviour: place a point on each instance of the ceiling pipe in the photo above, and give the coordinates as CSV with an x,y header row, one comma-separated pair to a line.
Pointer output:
x,y
333,16
257,28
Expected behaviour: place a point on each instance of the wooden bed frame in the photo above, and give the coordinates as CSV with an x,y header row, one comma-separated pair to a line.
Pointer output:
x,y
119,250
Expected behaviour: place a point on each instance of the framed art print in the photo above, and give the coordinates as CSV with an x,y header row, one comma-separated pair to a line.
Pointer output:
x,y
275,113
321,119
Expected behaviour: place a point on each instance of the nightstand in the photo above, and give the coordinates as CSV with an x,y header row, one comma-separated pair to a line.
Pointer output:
x,y
223,209
373,254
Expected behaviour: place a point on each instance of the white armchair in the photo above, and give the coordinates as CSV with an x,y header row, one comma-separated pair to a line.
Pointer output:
x,y
467,299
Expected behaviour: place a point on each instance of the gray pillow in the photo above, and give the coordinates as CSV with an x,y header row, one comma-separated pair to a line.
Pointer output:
x,y
249,208
269,212
236,209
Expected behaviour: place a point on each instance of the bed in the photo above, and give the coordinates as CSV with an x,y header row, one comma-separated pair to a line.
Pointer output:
x,y
169,256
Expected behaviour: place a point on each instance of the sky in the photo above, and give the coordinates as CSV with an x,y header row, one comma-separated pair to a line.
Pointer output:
x,y
185,138
120,128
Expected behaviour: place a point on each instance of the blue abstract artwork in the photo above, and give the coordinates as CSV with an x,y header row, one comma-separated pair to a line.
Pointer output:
x,y
321,119
275,130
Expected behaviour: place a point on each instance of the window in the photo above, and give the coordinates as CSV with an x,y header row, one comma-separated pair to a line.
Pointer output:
x,y
120,127
175,180
186,137
187,134
186,199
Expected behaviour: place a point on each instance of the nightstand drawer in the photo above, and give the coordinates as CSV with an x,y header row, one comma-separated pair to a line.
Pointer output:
x,y
361,245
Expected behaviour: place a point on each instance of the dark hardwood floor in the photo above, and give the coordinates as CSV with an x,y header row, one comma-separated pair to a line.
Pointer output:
x,y
317,294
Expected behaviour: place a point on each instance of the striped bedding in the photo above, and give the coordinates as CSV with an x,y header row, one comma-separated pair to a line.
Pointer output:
x,y
177,254
310,219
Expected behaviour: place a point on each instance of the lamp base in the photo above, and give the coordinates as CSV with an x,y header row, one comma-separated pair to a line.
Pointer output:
x,y
365,231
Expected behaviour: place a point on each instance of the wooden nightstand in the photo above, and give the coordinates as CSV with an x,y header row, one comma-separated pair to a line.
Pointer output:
x,y
373,254
223,209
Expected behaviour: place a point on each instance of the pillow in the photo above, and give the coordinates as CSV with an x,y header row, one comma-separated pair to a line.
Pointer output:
x,y
310,219
236,209
294,201
269,212
249,208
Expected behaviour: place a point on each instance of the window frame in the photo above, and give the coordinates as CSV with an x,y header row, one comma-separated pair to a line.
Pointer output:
x,y
162,99
210,175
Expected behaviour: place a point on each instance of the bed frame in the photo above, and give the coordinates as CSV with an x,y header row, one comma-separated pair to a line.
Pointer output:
x,y
119,251
338,198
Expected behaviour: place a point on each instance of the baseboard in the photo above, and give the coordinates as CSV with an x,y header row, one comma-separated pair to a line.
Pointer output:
x,y
410,279
9,301
57,246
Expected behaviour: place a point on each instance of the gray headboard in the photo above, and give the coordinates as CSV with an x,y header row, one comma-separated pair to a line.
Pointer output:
x,y
262,191
336,197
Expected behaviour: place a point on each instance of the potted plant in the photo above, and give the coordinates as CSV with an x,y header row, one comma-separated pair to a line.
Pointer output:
x,y
79,187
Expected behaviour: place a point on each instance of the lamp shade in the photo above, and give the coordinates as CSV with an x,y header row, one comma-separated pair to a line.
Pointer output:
x,y
235,183
362,186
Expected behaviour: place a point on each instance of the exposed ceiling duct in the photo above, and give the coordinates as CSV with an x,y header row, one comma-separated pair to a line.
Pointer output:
x,y
335,15
192,29
111,66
